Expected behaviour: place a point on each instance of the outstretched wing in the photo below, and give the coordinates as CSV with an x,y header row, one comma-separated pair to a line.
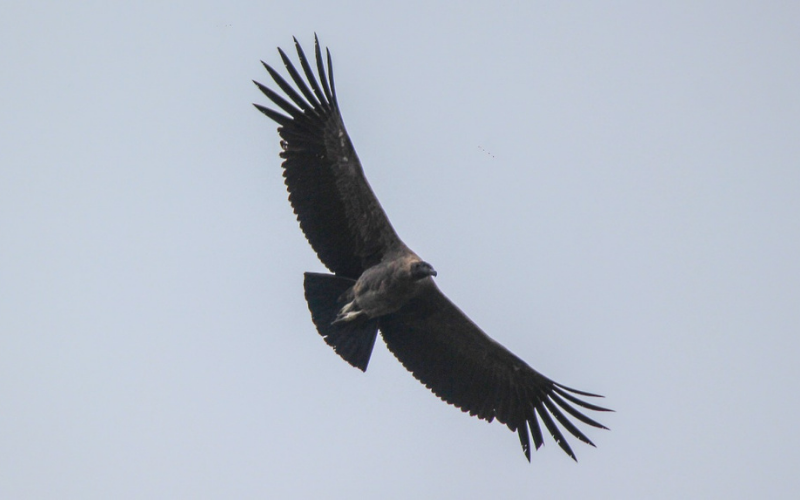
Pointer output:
x,y
448,353
336,208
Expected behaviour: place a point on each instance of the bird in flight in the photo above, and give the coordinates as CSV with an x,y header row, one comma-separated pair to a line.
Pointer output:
x,y
379,284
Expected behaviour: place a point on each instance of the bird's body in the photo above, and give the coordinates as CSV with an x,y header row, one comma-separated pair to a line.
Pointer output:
x,y
386,287
379,284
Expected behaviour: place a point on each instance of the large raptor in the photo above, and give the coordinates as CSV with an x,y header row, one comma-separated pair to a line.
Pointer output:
x,y
379,284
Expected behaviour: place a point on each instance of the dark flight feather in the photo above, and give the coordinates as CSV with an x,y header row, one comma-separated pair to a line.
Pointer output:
x,y
352,340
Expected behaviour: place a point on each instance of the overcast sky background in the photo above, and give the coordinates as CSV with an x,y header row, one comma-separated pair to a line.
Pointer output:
x,y
611,191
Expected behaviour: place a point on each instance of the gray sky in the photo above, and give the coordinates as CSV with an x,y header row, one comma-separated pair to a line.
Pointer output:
x,y
633,230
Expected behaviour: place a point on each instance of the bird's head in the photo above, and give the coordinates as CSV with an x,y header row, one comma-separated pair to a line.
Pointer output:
x,y
421,269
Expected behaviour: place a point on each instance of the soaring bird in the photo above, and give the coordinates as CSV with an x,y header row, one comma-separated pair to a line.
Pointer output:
x,y
379,284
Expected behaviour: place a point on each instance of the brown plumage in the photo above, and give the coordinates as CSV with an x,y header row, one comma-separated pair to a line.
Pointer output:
x,y
379,284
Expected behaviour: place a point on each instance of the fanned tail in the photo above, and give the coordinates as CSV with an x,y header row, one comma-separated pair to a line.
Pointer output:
x,y
353,340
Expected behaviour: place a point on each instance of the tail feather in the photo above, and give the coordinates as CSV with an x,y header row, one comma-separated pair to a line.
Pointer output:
x,y
352,340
